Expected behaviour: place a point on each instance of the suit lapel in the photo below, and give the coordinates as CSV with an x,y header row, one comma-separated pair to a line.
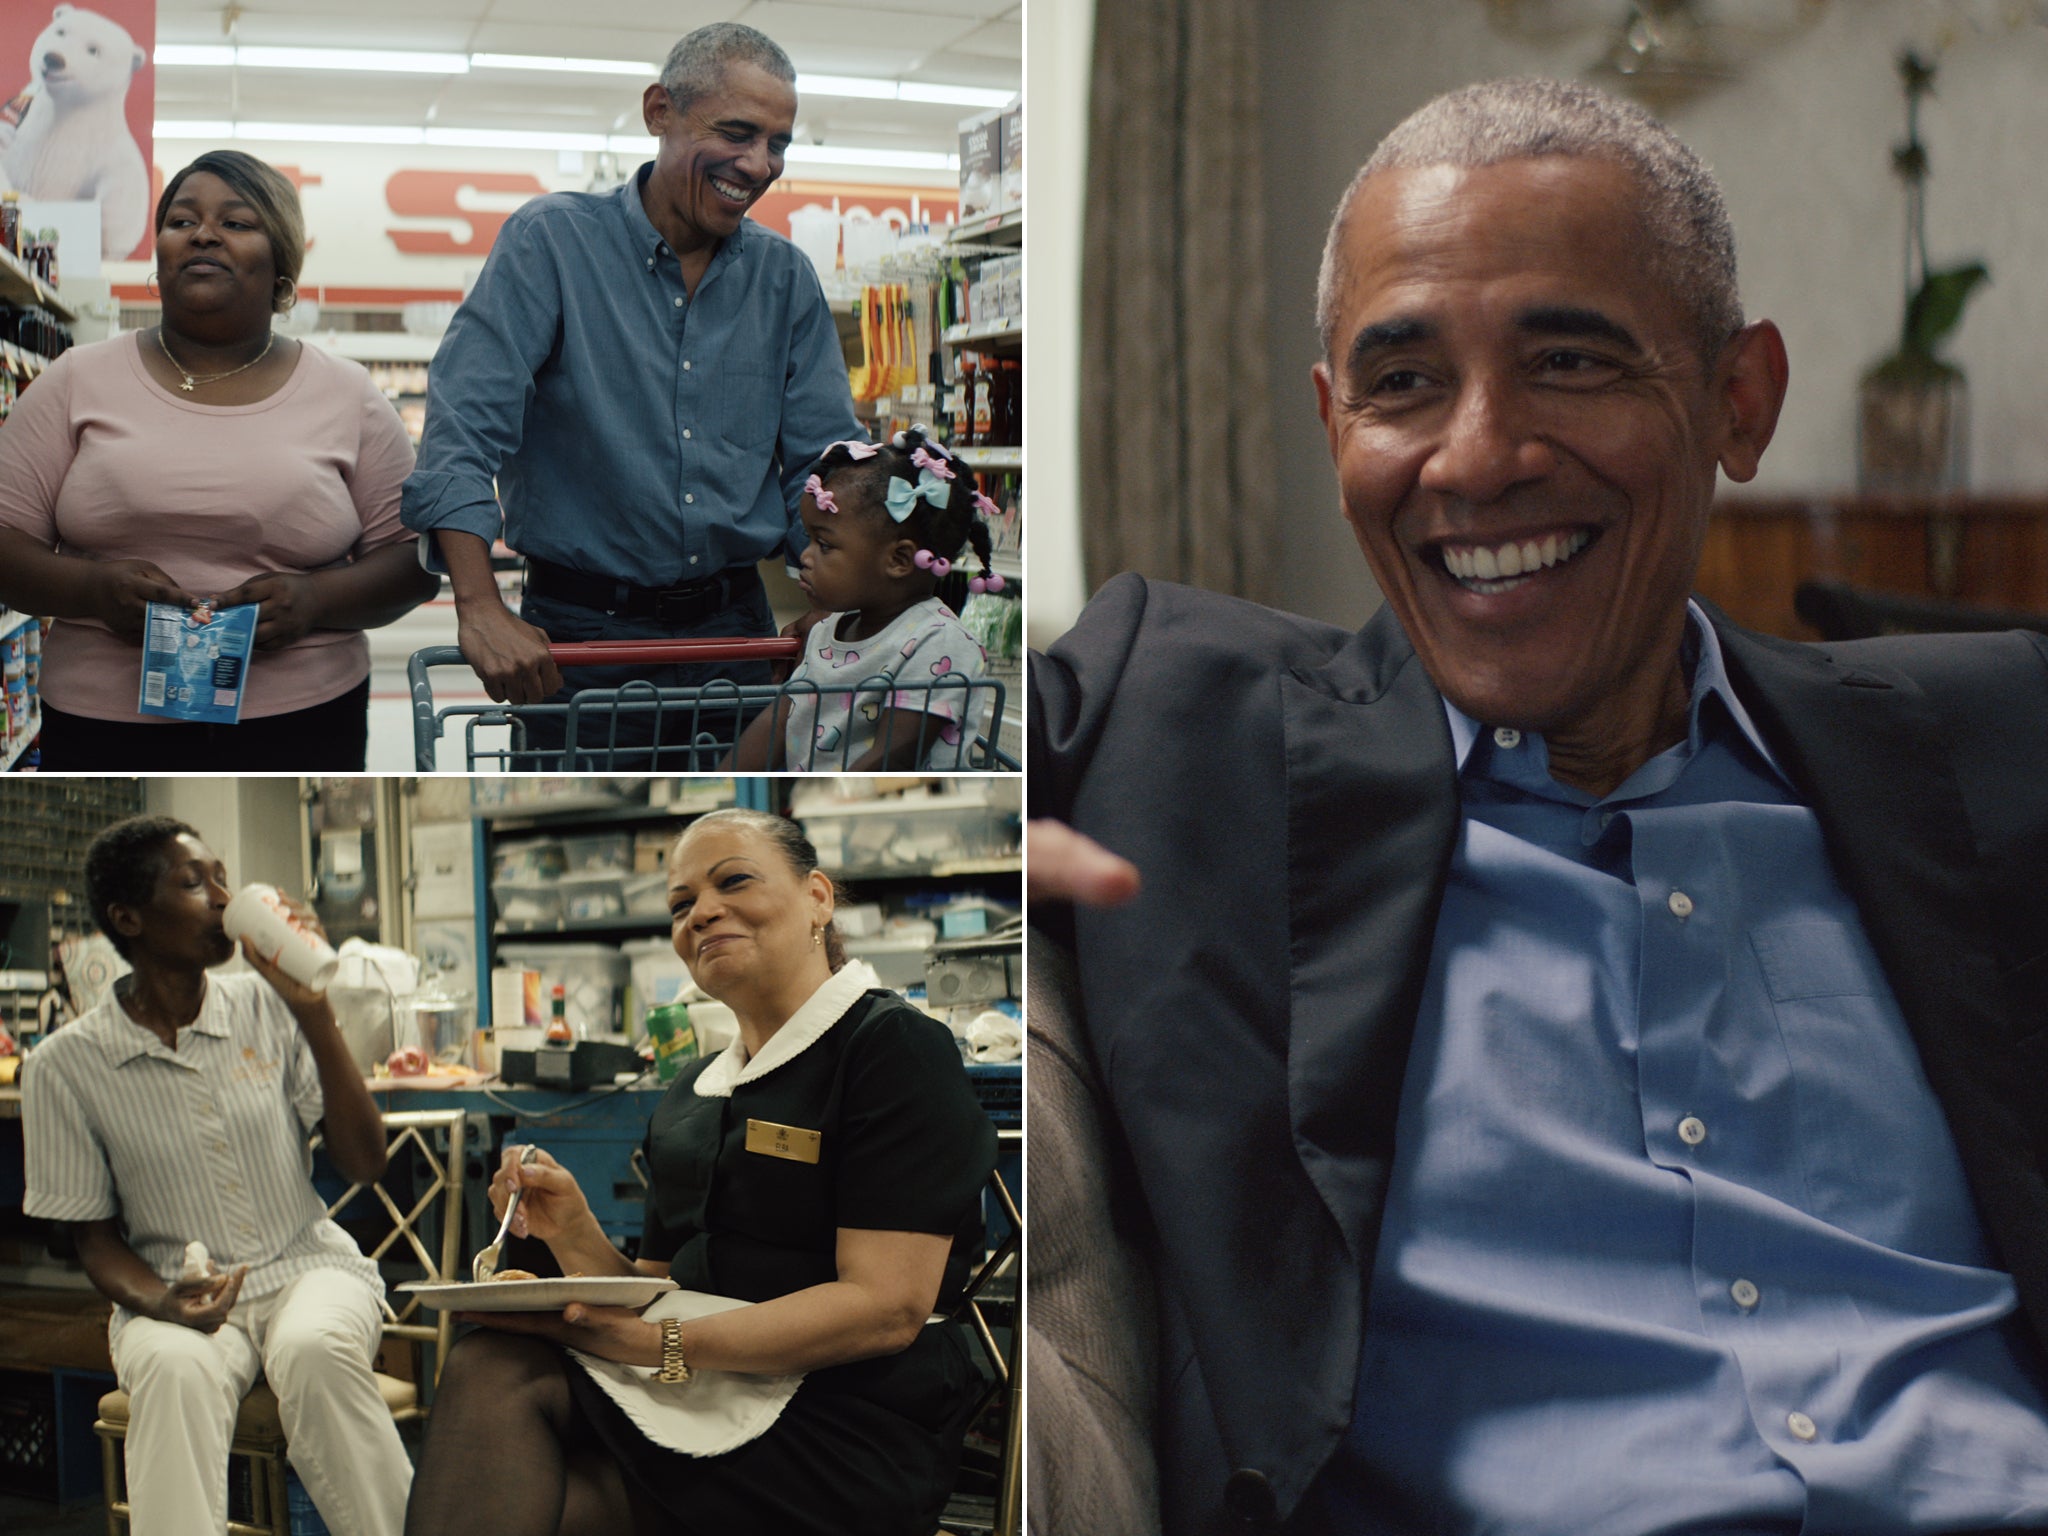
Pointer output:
x,y
1372,817
1867,752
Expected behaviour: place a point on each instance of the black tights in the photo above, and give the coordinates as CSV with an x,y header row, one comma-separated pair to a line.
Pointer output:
x,y
507,1452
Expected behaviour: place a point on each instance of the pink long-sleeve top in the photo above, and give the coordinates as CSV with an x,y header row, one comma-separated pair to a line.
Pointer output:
x,y
101,461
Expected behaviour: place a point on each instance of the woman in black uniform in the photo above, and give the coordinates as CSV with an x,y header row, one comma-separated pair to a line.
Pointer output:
x,y
826,1168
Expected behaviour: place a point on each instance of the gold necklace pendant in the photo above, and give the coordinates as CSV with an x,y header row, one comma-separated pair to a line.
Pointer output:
x,y
187,385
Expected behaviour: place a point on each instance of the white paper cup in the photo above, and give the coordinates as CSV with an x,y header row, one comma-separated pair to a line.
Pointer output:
x,y
258,914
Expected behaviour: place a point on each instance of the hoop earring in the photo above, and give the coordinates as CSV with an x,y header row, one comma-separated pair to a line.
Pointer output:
x,y
817,937
149,285
290,297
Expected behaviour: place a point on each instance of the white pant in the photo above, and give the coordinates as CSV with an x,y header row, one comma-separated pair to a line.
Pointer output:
x,y
313,1341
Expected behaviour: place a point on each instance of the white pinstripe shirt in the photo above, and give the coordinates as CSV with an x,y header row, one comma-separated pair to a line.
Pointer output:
x,y
207,1141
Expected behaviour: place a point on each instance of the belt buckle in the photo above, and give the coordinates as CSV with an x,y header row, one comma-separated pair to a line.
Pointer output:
x,y
685,605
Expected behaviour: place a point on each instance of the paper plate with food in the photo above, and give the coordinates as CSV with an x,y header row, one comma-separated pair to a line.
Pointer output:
x,y
519,1290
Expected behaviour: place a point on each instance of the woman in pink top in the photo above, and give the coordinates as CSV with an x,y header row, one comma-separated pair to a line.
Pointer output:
x,y
209,458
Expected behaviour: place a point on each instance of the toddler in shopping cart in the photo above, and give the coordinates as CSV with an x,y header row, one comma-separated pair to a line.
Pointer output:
x,y
882,681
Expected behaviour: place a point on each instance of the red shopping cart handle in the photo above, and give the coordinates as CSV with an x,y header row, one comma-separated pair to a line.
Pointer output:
x,y
595,653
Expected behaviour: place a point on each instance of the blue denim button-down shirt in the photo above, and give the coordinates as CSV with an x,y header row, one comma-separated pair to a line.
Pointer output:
x,y
634,431
1677,1239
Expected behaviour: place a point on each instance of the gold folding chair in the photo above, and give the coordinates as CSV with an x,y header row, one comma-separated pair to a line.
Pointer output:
x,y
1004,1258
259,1433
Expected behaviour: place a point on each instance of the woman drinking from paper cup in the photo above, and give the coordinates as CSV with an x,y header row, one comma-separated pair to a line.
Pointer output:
x,y
815,1192
208,458
169,1128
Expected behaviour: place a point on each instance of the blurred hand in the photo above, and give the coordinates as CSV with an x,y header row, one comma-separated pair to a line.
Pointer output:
x,y
202,1304
1062,865
287,603
509,656
553,1205
799,629
123,590
610,1333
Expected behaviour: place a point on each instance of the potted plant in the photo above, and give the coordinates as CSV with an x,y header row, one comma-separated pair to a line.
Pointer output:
x,y
1913,408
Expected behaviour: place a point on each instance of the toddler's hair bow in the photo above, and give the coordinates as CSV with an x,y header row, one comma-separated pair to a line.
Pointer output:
x,y
925,458
857,448
815,489
902,495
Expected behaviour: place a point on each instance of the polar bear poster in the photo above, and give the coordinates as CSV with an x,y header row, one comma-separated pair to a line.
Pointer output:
x,y
83,125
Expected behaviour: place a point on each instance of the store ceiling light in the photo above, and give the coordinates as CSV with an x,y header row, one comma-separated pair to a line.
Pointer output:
x,y
900,90
642,69
228,56
637,145
954,95
886,159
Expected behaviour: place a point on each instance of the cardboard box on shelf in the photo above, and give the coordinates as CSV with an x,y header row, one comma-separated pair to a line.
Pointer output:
x,y
981,165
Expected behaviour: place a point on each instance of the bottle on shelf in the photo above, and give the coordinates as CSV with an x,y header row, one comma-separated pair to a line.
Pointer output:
x,y
10,222
559,1032
984,404
962,433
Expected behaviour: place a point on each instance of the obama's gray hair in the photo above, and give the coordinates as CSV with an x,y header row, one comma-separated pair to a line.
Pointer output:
x,y
1691,245
697,64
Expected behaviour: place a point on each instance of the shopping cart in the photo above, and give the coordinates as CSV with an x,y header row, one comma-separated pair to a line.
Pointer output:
x,y
688,730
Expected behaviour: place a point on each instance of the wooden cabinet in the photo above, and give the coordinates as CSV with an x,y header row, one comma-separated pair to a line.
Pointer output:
x,y
1990,552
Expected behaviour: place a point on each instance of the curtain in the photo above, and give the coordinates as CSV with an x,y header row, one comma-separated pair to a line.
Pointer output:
x,y
1176,458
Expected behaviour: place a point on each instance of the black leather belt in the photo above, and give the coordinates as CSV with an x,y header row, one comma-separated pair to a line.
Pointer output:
x,y
685,604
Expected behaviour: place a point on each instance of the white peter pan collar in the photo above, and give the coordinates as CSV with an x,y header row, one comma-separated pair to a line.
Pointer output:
x,y
818,1013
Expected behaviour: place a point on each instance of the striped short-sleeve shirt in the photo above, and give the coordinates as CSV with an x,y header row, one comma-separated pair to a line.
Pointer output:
x,y
206,1142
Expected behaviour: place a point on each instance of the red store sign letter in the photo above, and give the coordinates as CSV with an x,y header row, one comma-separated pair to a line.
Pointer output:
x,y
435,195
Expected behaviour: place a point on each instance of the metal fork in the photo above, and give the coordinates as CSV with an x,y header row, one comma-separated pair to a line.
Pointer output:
x,y
485,1264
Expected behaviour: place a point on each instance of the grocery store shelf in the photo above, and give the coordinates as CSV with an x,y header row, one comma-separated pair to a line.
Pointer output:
x,y
11,755
18,285
993,228
1005,334
990,458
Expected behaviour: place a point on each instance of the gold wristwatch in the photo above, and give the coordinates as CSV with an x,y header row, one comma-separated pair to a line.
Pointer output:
x,y
673,1366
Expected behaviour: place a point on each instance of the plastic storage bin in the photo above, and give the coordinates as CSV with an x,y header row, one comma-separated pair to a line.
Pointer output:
x,y
646,895
599,853
891,835
592,898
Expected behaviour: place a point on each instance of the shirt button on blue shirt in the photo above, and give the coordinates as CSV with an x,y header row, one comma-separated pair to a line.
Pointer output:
x,y
1746,1294
679,305
1680,904
1801,1426
686,433
1507,738
1692,1130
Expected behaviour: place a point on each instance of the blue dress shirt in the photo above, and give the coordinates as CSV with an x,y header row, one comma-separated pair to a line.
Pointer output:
x,y
1677,1238
634,431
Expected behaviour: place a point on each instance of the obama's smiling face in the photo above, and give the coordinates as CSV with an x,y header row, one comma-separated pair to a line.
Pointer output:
x,y
1526,434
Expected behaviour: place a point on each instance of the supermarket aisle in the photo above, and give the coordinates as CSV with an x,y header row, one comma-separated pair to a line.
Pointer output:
x,y
391,732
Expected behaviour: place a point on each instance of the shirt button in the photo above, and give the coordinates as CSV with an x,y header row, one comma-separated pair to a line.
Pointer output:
x,y
686,361
679,305
1680,904
650,263
690,497
693,559
1507,738
1801,1426
1692,1130
686,434
1746,1294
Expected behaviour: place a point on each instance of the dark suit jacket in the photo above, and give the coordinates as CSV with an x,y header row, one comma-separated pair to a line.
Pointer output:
x,y
1288,791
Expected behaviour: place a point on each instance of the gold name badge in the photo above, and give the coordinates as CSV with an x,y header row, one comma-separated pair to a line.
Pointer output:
x,y
790,1141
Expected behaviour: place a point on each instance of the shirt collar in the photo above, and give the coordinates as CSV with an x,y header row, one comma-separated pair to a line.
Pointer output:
x,y
123,1040
818,1013
649,239
1709,680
